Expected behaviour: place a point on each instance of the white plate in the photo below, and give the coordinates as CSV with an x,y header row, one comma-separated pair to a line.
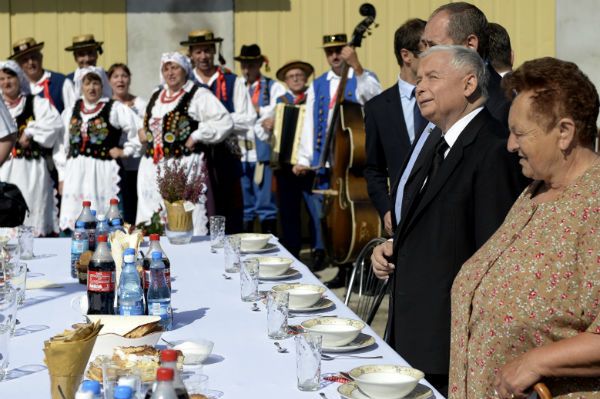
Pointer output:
x,y
360,342
323,303
266,248
350,391
291,272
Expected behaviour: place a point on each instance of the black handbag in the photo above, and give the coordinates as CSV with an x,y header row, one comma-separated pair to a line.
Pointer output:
x,y
13,207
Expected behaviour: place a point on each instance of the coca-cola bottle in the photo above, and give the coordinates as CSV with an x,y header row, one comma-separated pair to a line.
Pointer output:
x,y
154,246
101,280
168,359
89,224
163,389
113,213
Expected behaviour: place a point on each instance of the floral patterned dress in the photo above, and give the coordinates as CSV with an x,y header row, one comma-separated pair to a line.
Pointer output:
x,y
535,282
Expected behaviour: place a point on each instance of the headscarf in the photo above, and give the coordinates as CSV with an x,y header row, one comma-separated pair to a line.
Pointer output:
x,y
23,82
177,58
80,73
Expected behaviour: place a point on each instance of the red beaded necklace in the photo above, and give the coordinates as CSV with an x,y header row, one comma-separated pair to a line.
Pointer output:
x,y
86,111
165,99
12,103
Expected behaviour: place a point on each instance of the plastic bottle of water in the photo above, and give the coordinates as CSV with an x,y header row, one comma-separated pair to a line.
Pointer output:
x,y
155,246
116,226
102,228
90,224
159,294
79,244
113,213
130,290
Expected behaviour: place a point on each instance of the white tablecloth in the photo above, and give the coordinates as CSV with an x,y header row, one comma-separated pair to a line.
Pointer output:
x,y
244,364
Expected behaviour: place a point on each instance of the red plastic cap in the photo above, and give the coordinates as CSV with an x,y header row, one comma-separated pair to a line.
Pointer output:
x,y
87,203
168,355
164,374
154,237
102,238
114,201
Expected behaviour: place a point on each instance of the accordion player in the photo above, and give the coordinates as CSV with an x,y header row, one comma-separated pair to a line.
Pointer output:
x,y
287,131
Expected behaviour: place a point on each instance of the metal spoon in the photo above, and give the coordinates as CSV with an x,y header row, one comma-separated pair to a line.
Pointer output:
x,y
167,342
325,356
323,395
226,277
255,307
280,349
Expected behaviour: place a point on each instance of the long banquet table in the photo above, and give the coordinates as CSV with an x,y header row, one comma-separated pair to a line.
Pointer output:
x,y
244,363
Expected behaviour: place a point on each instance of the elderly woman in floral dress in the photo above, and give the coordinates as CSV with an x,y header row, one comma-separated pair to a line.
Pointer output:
x,y
180,119
526,306
86,160
39,126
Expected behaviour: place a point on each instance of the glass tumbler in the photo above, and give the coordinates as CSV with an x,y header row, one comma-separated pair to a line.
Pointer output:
x,y
217,231
8,311
249,280
277,314
232,254
308,361
26,242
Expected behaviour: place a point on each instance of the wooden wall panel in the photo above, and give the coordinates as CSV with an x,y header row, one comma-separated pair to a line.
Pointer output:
x,y
292,29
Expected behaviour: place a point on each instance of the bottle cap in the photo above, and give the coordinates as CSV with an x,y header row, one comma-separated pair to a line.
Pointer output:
x,y
80,224
93,212
129,258
102,238
156,255
91,385
168,355
123,392
116,222
114,201
101,217
129,251
164,374
154,237
87,203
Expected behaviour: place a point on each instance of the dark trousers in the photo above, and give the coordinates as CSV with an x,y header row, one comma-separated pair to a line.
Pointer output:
x,y
128,186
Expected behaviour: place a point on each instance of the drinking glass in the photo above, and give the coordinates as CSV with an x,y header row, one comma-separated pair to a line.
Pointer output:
x,y
196,384
8,310
249,280
277,314
308,361
232,254
26,242
114,374
16,276
217,231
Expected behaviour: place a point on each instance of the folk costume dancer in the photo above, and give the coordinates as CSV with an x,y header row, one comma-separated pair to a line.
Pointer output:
x,y
86,51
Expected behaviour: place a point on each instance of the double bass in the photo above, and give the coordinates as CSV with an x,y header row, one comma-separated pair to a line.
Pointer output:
x,y
351,219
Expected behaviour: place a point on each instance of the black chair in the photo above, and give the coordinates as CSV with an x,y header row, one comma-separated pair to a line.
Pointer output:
x,y
363,283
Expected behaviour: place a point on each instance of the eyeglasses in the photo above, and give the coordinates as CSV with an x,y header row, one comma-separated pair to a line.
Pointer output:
x,y
294,76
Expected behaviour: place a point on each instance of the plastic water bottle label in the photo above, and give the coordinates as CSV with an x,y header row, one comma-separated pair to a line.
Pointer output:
x,y
162,309
79,246
132,310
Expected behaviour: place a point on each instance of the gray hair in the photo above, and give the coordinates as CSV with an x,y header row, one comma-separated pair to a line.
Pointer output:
x,y
464,59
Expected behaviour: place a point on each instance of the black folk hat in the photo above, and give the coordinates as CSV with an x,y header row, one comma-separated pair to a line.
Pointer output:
x,y
24,46
85,41
335,40
305,66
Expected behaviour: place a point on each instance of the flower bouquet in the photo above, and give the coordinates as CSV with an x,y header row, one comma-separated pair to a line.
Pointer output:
x,y
180,192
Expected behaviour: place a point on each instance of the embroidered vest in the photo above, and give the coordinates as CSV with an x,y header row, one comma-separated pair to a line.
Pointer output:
x,y
55,86
101,135
177,127
263,148
229,80
34,151
321,111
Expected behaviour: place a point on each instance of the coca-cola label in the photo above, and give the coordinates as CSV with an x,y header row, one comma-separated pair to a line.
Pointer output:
x,y
101,281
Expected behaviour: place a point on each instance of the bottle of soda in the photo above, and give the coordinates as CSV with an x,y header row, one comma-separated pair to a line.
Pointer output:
x,y
89,221
123,392
113,213
101,280
164,385
130,291
102,227
159,294
154,246
79,244
168,358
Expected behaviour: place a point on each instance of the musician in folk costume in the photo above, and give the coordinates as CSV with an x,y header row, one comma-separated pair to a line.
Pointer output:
x,y
53,86
181,119
39,127
257,175
86,51
362,85
223,158
86,159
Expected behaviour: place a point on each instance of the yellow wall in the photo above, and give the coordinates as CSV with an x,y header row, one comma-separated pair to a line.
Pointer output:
x,y
55,22
292,29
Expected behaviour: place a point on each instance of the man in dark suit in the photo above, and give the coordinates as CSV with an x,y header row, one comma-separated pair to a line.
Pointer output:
x,y
458,193
393,121
466,25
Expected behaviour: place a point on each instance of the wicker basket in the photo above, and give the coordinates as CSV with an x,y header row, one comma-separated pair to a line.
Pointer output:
x,y
177,218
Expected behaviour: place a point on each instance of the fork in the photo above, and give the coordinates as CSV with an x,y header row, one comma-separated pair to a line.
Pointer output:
x,y
325,356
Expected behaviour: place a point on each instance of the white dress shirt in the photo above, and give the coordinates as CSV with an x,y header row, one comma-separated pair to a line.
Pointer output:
x,y
408,101
68,90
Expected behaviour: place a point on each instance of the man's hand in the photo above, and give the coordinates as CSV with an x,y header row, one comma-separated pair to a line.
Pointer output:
x,y
387,223
300,170
268,124
379,260
24,140
349,55
60,187
116,153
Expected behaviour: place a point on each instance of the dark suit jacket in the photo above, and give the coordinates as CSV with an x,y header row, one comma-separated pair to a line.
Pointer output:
x,y
497,103
387,145
462,207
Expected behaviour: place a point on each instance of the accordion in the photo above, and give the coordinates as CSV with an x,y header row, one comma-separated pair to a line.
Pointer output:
x,y
287,131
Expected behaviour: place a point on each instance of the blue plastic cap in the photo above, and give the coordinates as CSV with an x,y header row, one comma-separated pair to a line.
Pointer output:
x,y
93,212
80,224
92,386
156,255
116,222
123,392
129,251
